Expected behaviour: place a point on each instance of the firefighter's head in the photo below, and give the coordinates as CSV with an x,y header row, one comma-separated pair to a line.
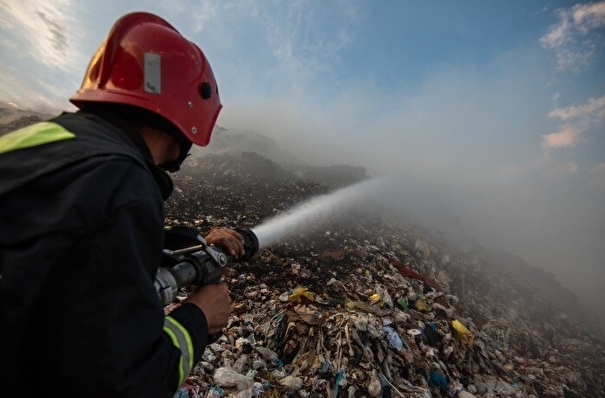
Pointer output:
x,y
147,64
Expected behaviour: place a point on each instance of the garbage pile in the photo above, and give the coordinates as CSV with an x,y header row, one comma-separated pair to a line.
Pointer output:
x,y
377,307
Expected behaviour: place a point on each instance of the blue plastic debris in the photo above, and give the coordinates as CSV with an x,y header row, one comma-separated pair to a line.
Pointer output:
x,y
437,380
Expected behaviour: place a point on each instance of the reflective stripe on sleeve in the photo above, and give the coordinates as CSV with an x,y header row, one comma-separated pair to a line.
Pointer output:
x,y
34,135
181,340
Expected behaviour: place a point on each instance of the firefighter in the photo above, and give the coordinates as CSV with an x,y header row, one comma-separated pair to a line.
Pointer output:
x,y
82,226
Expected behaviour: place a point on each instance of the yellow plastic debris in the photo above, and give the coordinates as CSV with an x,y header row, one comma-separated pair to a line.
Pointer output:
x,y
374,298
298,293
464,334
421,305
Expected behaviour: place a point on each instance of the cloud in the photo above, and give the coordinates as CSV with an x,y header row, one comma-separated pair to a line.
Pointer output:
x,y
43,44
269,49
203,14
42,30
595,107
569,38
30,96
310,37
578,120
589,16
566,137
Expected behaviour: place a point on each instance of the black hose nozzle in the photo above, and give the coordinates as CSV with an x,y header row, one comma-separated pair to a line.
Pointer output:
x,y
250,243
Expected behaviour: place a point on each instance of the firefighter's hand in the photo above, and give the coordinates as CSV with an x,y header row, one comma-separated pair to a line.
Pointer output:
x,y
230,240
215,301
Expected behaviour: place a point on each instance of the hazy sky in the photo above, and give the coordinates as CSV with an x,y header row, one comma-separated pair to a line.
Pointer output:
x,y
496,107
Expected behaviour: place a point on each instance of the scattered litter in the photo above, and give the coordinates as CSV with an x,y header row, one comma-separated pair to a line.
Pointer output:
x,y
375,308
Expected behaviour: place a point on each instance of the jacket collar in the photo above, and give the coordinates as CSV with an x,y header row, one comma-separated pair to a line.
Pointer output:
x,y
132,136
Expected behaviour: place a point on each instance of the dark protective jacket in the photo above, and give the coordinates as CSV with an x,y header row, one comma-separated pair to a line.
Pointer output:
x,y
81,237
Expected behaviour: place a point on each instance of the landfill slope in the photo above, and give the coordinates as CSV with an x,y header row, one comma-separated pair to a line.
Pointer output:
x,y
373,306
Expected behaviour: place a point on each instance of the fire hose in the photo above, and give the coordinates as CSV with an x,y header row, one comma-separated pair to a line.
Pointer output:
x,y
200,264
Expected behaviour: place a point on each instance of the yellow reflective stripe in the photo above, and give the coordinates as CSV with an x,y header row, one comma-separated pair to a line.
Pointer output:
x,y
34,135
182,340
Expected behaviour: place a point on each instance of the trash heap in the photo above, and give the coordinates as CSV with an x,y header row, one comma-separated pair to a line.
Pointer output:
x,y
378,307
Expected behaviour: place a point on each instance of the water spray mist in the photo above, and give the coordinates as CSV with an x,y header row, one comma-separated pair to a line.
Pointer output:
x,y
316,211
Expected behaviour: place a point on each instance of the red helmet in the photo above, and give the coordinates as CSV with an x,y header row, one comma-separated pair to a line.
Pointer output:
x,y
147,63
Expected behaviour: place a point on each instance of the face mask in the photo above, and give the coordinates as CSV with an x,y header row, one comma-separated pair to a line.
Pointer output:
x,y
185,147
